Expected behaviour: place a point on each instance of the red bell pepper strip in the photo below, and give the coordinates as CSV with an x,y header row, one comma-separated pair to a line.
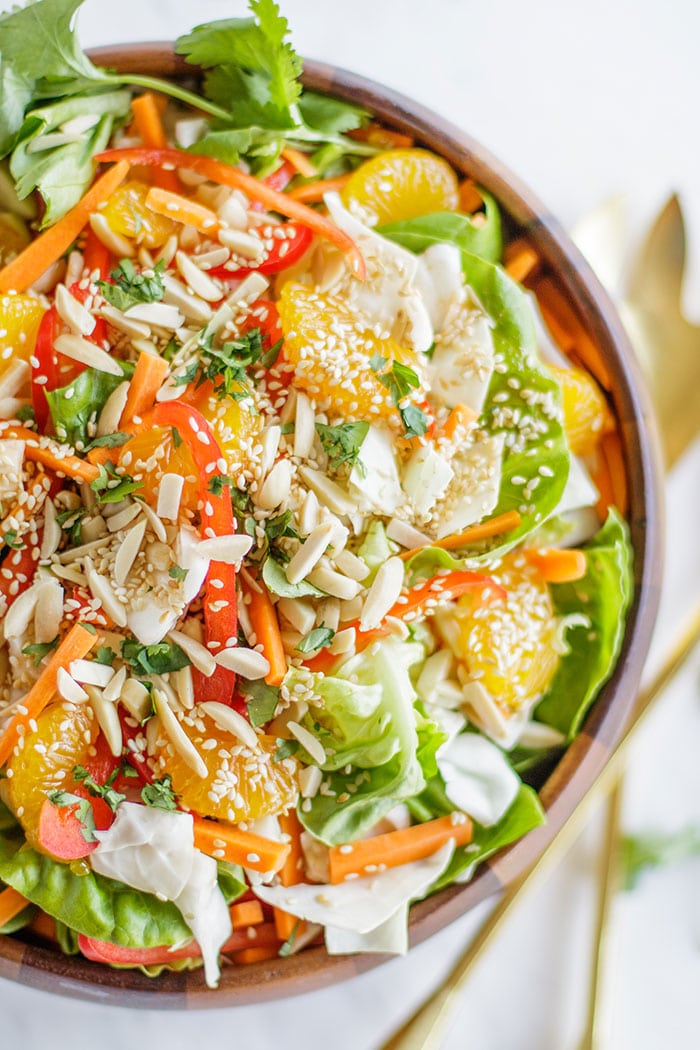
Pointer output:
x,y
254,188
413,603
96,257
45,367
280,177
286,251
220,622
262,936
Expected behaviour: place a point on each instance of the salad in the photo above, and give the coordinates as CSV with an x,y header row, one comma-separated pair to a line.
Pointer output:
x,y
313,556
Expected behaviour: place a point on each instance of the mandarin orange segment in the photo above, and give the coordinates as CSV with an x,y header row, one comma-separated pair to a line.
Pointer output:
x,y
241,784
330,347
20,317
510,647
64,737
586,414
127,215
235,425
401,184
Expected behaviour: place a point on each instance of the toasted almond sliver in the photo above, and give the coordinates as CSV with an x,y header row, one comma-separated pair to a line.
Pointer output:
x,y
154,521
310,778
169,493
333,583
200,656
197,280
128,551
118,245
79,349
49,610
14,378
190,305
270,443
111,414
330,494
343,641
183,686
308,741
125,517
304,431
73,313
20,613
134,329
101,588
403,533
352,566
162,315
301,614
113,690
227,549
68,688
229,720
89,672
108,718
136,699
275,488
52,531
386,588
248,663
243,243
177,735
310,553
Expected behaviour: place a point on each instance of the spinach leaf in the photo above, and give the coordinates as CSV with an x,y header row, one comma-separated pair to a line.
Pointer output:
x,y
449,227
74,405
603,596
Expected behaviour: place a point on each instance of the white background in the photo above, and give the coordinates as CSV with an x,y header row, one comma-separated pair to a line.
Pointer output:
x,y
584,101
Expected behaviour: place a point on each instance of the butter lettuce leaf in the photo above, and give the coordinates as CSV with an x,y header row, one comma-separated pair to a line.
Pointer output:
x,y
603,596
450,227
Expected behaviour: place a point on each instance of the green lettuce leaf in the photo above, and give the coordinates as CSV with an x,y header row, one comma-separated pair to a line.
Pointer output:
x,y
603,596
368,721
449,227
231,881
86,398
375,549
19,921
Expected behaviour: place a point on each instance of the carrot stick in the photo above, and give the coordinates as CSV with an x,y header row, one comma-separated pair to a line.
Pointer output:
x,y
300,161
252,955
368,856
48,453
314,191
493,527
11,904
290,874
49,246
263,618
520,260
44,926
239,847
460,416
557,566
77,644
385,138
149,125
246,913
256,190
470,200
555,306
145,383
182,209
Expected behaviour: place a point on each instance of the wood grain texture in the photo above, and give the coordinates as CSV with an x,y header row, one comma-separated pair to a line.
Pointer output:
x,y
583,760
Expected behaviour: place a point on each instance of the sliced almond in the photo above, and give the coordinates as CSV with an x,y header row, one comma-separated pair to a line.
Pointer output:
x,y
310,553
308,741
52,532
231,550
248,663
177,735
183,686
270,442
89,672
330,494
275,488
134,329
231,721
79,349
404,534
136,699
113,690
333,583
190,305
128,551
118,245
169,493
14,378
124,517
304,430
386,588
242,243
68,688
111,414
352,566
20,613
197,280
161,315
301,614
73,313
101,588
108,719
48,613
154,521
197,653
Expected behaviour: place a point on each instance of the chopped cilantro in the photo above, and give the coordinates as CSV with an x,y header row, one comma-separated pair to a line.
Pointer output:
x,y
343,442
177,439
10,540
284,749
153,659
111,487
105,655
176,572
159,794
261,701
130,287
400,380
317,638
40,649
104,791
108,441
218,482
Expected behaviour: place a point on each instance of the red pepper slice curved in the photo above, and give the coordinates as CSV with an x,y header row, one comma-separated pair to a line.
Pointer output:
x,y
220,621
254,188
286,251
262,936
414,602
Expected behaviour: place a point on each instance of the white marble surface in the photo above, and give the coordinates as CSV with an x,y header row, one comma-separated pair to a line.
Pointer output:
x,y
583,100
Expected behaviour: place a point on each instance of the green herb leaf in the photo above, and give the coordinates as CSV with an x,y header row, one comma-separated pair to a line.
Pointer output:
x,y
285,749
176,572
131,286
10,540
111,487
219,482
261,702
343,442
317,638
482,238
160,794
414,419
78,403
275,579
160,658
288,946
115,440
104,791
83,811
40,649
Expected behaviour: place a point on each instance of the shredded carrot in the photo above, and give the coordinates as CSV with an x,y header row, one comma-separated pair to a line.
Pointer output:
x,y
385,138
569,331
254,188
50,245
49,454
182,209
557,566
263,618
149,125
239,847
368,856
77,644
493,527
521,260
246,913
252,955
11,904
145,383
460,416
470,200
313,192
290,874
300,162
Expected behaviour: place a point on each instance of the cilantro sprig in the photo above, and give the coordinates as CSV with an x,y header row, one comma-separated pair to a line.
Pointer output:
x,y
400,381
111,487
342,442
160,658
129,286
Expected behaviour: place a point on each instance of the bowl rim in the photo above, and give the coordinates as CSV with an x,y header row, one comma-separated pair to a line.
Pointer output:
x,y
36,966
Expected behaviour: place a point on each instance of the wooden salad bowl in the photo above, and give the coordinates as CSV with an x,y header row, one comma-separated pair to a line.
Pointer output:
x,y
525,217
